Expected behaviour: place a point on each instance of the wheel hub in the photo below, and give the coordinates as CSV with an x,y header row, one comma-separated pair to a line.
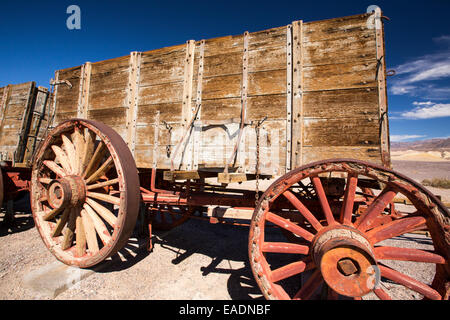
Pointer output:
x,y
346,261
67,191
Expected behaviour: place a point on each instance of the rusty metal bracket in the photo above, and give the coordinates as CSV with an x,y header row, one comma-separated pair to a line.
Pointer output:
x,y
391,73
59,82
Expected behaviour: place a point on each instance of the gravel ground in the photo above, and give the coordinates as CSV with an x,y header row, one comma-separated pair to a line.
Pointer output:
x,y
197,260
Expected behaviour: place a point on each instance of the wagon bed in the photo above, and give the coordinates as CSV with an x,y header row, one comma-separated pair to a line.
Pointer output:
x,y
320,86
138,135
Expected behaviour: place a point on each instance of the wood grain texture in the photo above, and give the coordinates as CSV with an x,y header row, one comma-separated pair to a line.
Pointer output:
x,y
331,85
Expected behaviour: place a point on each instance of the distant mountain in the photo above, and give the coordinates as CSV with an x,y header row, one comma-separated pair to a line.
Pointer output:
x,y
435,144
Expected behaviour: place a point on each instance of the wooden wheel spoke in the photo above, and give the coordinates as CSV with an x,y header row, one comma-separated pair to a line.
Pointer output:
x,y
104,197
61,223
380,293
62,158
90,233
55,168
71,153
103,184
395,228
287,271
102,231
52,213
407,254
303,210
89,140
313,282
109,217
409,282
349,199
284,247
323,200
69,231
288,225
95,160
45,180
78,142
104,168
80,235
375,208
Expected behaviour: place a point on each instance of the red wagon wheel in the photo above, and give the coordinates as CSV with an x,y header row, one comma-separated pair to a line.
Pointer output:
x,y
346,245
84,192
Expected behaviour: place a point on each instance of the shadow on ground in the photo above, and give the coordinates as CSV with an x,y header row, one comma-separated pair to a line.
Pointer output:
x,y
23,218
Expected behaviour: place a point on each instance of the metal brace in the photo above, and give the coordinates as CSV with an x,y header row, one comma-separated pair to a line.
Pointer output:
x,y
58,82
169,128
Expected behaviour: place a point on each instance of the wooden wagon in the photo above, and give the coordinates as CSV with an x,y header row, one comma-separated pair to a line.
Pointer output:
x,y
171,130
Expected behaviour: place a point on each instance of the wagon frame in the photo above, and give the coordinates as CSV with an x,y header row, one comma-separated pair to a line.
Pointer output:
x,y
305,102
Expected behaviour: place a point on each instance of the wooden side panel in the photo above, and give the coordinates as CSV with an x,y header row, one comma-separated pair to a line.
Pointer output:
x,y
16,107
340,106
38,123
66,99
108,90
160,92
315,84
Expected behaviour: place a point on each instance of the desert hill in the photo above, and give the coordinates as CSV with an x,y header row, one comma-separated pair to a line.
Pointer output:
x,y
423,145
422,150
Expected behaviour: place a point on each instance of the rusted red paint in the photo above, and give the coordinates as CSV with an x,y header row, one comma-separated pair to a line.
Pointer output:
x,y
344,252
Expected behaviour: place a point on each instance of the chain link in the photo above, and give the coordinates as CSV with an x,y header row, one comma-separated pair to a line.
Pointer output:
x,y
257,128
257,164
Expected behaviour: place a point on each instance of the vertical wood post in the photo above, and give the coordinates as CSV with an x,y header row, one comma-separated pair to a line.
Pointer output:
x,y
382,95
288,97
198,128
187,110
83,97
132,99
297,94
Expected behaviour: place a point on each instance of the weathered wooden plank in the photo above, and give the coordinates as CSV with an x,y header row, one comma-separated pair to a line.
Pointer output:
x,y
267,58
161,53
274,37
107,99
109,81
169,112
223,64
340,132
334,51
228,86
161,93
223,45
67,97
353,103
267,82
340,76
113,117
312,154
110,66
17,103
159,68
336,28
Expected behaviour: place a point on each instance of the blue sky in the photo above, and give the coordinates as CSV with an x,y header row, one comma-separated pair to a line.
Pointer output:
x,y
35,42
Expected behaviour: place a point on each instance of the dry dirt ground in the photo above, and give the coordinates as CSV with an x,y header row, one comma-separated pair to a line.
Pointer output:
x,y
197,260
